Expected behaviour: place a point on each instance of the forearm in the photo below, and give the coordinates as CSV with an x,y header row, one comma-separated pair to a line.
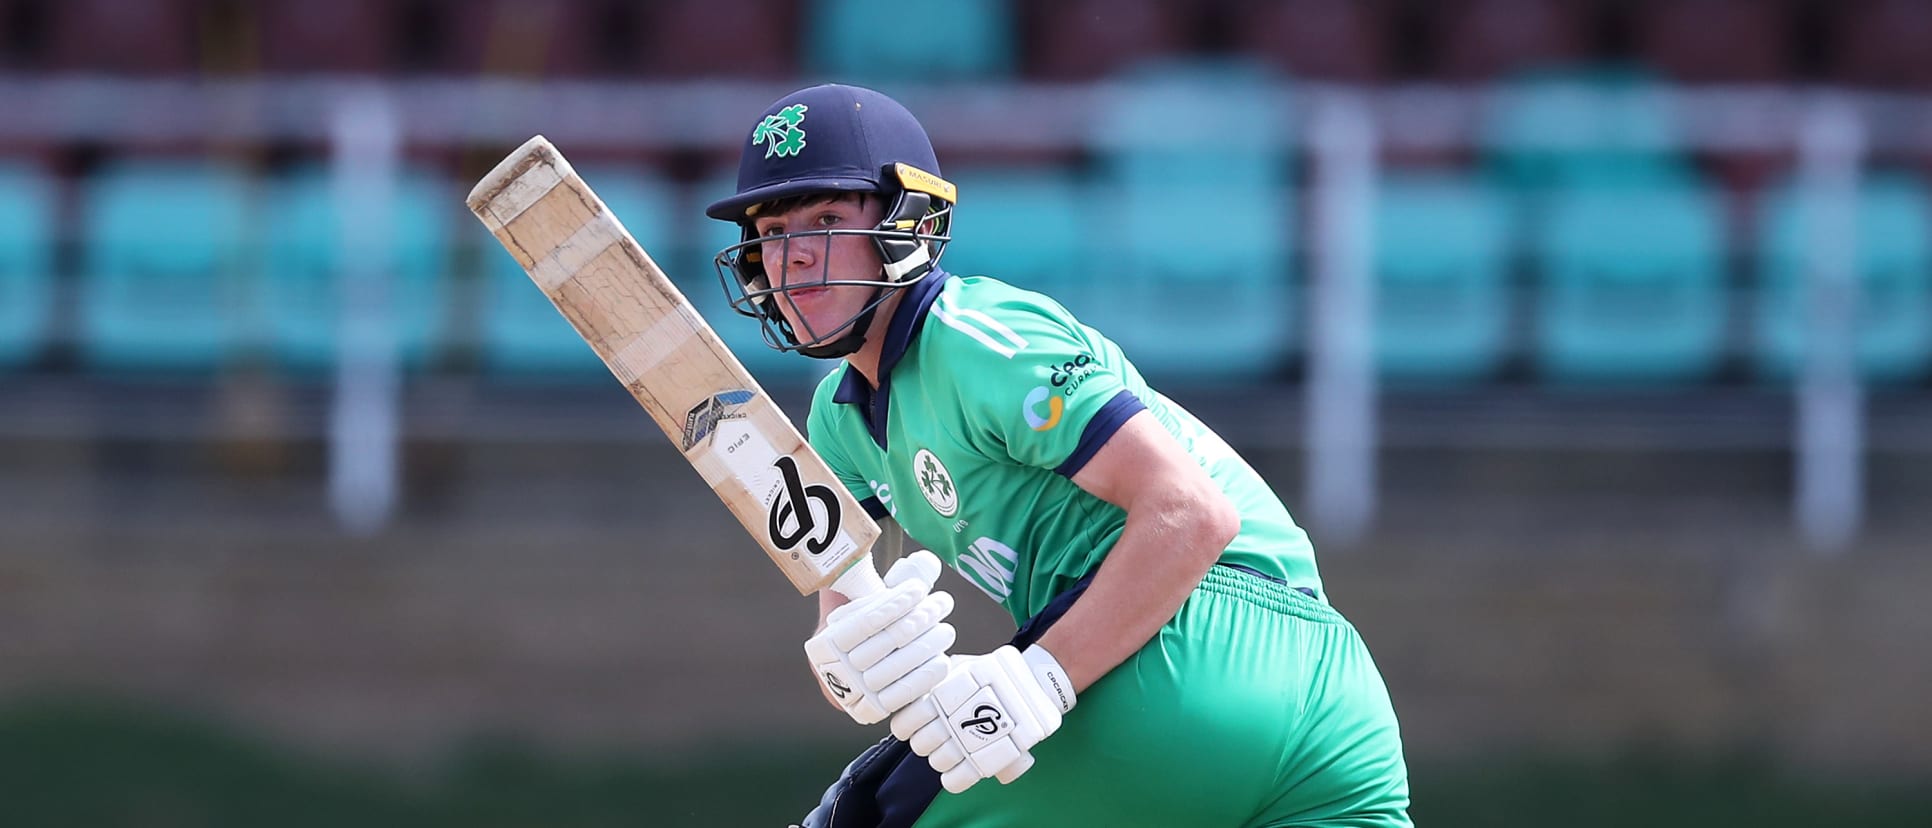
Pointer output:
x,y
1162,554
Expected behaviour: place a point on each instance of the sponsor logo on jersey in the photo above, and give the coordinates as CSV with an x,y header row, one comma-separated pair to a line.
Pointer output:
x,y
783,133
704,417
989,565
935,483
1043,409
1068,375
883,491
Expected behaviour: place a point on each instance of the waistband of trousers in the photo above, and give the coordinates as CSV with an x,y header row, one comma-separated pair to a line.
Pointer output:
x,y
1236,581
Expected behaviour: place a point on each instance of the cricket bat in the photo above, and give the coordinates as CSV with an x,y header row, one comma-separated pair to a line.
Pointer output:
x,y
673,363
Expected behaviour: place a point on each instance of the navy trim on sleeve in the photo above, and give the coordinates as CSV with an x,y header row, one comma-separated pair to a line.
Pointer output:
x,y
874,508
1105,422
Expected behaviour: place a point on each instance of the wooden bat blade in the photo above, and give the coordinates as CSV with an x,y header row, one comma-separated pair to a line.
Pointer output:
x,y
673,363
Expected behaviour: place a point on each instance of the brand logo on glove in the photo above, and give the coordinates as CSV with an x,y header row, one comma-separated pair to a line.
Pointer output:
x,y
985,721
794,518
837,687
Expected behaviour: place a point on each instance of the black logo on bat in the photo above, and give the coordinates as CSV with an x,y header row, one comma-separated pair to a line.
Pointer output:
x,y
792,519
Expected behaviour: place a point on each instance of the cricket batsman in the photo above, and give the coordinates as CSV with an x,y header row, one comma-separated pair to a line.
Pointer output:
x,y
1177,661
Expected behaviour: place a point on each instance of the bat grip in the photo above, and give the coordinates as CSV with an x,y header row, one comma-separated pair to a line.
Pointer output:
x,y
858,580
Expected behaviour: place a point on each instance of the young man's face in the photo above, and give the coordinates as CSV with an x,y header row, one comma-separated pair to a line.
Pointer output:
x,y
800,263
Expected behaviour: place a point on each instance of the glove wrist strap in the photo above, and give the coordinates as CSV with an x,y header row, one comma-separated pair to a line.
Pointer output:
x,y
1052,677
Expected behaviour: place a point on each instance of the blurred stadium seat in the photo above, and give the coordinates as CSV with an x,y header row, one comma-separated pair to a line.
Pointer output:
x,y
524,337
141,37
1083,40
882,42
1882,43
1600,125
23,34
163,245
1893,323
1198,219
1333,40
1443,249
684,39
300,290
532,38
1716,41
1022,225
27,211
302,36
1632,284
1482,40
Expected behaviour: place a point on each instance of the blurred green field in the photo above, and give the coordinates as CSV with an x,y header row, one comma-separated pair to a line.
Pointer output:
x,y
104,765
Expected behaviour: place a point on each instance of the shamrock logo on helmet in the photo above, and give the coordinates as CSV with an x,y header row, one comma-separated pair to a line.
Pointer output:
x,y
783,131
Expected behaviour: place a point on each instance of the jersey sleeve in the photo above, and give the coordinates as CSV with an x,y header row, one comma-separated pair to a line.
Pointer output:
x,y
1033,383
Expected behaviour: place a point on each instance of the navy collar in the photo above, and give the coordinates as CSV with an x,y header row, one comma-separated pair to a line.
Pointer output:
x,y
906,324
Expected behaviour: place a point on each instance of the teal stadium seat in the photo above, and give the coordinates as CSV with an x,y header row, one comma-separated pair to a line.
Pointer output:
x,y
1194,221
301,288
524,336
1584,126
700,281
26,263
1443,249
882,42
1632,285
162,287
1021,225
1893,266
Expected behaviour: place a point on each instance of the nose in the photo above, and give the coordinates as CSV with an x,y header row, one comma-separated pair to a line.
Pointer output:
x,y
798,252
783,257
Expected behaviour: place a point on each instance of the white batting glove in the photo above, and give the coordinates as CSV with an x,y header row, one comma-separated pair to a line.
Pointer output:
x,y
880,652
985,718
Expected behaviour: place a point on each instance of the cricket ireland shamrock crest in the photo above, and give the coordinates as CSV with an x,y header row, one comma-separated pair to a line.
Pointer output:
x,y
784,131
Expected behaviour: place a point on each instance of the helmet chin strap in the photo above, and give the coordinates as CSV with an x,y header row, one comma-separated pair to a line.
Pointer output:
x,y
854,337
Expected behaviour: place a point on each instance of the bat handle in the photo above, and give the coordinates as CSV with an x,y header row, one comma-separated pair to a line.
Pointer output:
x,y
859,580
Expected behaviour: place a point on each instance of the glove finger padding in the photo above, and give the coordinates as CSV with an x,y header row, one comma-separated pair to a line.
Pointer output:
x,y
1013,771
904,660
910,625
882,651
851,624
919,681
922,565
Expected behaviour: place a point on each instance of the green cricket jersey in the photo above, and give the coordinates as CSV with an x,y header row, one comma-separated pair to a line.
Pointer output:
x,y
991,398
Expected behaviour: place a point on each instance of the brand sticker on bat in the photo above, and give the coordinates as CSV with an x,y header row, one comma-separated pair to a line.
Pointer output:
x,y
802,518
702,420
808,514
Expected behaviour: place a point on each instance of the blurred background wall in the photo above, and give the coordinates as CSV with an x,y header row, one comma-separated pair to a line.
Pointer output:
x,y
1592,340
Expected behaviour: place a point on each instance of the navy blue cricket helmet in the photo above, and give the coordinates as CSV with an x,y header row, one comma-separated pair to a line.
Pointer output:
x,y
824,140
